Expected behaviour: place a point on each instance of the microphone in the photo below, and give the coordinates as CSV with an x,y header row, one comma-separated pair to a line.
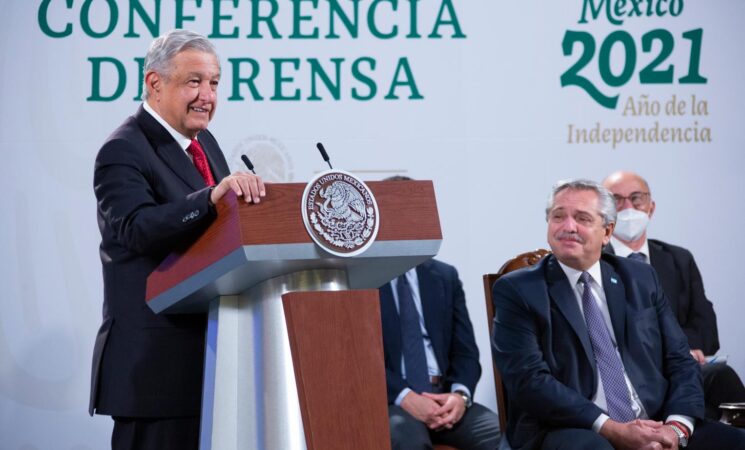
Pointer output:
x,y
248,164
324,155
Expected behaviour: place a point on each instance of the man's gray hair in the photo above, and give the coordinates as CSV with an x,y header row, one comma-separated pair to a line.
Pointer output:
x,y
165,47
606,202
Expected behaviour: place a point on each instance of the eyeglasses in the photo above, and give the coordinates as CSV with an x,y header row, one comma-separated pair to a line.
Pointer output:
x,y
638,199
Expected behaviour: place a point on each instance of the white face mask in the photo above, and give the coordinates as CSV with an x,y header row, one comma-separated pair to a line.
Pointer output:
x,y
631,224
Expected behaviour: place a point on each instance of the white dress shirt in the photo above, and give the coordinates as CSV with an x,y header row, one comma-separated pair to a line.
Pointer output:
x,y
432,366
182,140
596,285
624,250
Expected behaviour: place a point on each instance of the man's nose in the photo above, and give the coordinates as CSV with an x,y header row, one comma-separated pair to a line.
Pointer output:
x,y
206,93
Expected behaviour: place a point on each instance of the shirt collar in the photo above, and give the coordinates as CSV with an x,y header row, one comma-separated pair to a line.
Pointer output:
x,y
182,140
574,274
624,250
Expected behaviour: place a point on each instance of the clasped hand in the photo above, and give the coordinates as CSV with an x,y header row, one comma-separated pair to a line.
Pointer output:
x,y
437,411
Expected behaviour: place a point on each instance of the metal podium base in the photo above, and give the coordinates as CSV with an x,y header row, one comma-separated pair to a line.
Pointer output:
x,y
249,398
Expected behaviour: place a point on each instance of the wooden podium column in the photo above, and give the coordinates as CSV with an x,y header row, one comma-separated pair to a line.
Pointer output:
x,y
337,347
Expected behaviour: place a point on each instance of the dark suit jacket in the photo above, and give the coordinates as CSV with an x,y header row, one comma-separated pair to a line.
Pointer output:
x,y
543,350
151,201
448,325
681,280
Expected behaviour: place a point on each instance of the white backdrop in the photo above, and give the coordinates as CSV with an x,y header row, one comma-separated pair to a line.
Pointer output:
x,y
491,130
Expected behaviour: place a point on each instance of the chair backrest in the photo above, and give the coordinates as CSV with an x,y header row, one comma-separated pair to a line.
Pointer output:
x,y
518,262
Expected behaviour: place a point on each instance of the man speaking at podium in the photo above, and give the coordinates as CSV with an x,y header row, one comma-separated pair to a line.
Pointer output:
x,y
156,180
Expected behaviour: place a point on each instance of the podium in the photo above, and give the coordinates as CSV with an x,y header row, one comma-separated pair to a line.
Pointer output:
x,y
294,352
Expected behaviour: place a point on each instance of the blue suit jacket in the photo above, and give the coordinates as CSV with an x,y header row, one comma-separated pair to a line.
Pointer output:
x,y
151,202
543,351
448,325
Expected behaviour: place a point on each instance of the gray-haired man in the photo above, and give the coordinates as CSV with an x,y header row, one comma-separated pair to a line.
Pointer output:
x,y
157,178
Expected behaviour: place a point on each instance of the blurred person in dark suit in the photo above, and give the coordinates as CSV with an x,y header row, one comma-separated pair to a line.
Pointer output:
x,y
681,280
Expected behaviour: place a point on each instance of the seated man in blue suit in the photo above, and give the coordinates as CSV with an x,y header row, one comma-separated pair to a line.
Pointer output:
x,y
432,363
588,347
681,280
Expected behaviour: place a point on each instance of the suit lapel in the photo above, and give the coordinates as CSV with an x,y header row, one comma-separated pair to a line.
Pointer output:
x,y
566,301
615,296
168,150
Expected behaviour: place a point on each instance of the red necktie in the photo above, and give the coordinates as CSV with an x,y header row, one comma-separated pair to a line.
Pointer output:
x,y
200,161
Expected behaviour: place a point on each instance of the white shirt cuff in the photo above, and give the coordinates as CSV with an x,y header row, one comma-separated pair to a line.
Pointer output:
x,y
401,396
460,387
599,422
685,420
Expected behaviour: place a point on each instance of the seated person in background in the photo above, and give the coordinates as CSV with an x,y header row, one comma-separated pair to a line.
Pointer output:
x,y
432,362
681,280
588,347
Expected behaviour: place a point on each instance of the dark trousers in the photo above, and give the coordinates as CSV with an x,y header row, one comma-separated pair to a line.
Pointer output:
x,y
721,385
136,433
708,435
478,429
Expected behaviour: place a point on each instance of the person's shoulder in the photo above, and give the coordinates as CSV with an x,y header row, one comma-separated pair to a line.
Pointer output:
x,y
440,268
669,248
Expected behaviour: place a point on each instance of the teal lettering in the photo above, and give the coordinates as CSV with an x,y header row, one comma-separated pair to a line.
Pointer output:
x,y
180,17
413,32
403,65
298,17
593,10
336,11
153,26
44,23
86,25
279,79
371,20
256,17
141,78
217,17
249,81
316,71
369,82
96,95
457,32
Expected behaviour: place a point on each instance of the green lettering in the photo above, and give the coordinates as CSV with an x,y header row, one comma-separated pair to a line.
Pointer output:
x,y
44,24
153,26
86,26
371,20
217,18
358,75
316,71
256,17
336,10
249,81
96,95
141,78
413,32
279,80
180,17
298,17
457,32
403,64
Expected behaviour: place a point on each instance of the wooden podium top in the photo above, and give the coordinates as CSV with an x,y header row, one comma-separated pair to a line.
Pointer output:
x,y
249,243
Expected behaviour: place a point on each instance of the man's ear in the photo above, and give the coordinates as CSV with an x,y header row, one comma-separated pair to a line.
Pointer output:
x,y
608,233
153,83
651,208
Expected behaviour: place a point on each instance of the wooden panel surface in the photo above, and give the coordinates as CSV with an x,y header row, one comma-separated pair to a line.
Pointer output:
x,y
407,211
218,240
337,351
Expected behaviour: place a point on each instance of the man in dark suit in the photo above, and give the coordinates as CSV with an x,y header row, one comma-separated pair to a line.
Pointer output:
x,y
156,180
681,280
589,350
432,363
